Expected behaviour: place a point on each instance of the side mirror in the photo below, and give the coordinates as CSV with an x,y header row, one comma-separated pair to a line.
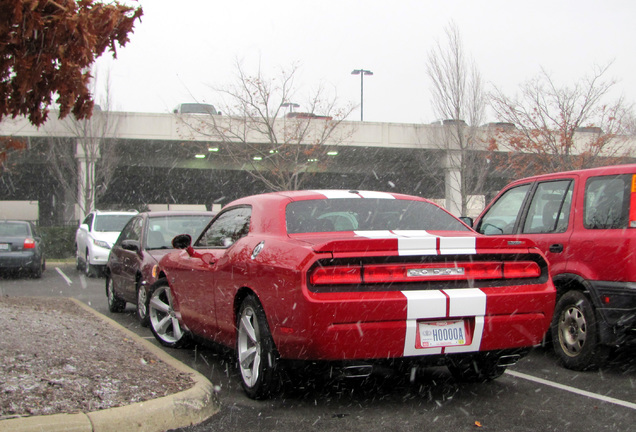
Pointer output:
x,y
84,227
130,245
467,220
182,241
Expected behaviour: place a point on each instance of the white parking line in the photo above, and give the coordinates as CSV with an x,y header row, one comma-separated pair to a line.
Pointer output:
x,y
572,389
66,278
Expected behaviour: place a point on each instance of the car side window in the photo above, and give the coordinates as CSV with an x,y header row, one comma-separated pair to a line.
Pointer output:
x,y
227,228
607,202
503,214
132,231
88,220
549,210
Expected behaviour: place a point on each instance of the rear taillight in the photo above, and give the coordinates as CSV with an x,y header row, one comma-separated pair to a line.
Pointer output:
x,y
632,204
336,275
425,272
521,269
29,243
400,273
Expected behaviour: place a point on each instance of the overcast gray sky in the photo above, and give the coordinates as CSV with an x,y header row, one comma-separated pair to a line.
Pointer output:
x,y
182,49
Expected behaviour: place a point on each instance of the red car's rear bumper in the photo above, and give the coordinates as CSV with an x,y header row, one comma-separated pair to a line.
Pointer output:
x,y
381,325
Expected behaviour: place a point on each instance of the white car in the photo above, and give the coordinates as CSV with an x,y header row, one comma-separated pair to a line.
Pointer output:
x,y
95,237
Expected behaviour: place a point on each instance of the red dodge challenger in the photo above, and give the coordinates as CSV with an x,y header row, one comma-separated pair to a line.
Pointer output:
x,y
355,277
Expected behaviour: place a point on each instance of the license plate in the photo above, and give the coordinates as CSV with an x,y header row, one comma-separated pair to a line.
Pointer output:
x,y
4,246
441,334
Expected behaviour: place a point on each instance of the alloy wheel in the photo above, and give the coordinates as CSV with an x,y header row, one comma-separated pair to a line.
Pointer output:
x,y
572,331
249,347
163,320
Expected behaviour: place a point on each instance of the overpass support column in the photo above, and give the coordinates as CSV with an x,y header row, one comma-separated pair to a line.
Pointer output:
x,y
87,154
453,182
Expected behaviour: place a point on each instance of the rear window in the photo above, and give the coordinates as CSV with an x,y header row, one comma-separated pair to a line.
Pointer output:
x,y
607,202
367,214
111,223
170,226
10,229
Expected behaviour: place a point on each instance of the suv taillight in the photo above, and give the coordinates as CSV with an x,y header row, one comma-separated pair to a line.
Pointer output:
x,y
632,204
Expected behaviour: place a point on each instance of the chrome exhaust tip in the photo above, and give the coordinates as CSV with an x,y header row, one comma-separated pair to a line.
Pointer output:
x,y
508,360
357,371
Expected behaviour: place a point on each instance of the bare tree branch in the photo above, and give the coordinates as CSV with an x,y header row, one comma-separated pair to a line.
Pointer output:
x,y
459,101
278,150
562,127
85,165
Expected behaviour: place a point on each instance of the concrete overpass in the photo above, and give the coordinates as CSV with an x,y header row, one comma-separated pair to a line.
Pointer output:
x,y
157,162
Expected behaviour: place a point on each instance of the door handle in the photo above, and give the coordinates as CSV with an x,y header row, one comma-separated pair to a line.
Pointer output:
x,y
556,248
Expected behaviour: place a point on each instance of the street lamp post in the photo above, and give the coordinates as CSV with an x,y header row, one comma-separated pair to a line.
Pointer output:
x,y
290,105
362,73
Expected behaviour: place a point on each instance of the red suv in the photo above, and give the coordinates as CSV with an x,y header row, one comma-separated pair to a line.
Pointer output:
x,y
585,223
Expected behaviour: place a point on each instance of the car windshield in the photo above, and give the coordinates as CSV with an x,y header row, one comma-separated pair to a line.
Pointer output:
x,y
9,229
161,230
111,223
366,214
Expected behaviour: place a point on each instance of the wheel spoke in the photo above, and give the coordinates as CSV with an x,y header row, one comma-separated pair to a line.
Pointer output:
x,y
163,324
176,329
246,324
248,356
255,368
168,295
156,303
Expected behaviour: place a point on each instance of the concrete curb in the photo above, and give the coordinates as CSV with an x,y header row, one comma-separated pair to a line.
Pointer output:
x,y
185,408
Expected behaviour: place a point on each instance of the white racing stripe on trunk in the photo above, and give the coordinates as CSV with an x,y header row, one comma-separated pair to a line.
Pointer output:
x,y
408,246
468,302
386,234
420,242
457,245
421,305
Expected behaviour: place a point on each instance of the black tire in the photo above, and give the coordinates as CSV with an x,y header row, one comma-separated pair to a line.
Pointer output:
x,y
142,305
477,369
575,333
256,354
89,270
115,303
163,323
78,261
36,273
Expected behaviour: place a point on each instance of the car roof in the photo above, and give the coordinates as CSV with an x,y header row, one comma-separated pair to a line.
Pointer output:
x,y
271,206
168,213
604,170
115,212
298,195
15,221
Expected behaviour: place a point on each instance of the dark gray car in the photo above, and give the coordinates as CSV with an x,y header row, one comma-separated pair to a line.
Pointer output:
x,y
21,248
